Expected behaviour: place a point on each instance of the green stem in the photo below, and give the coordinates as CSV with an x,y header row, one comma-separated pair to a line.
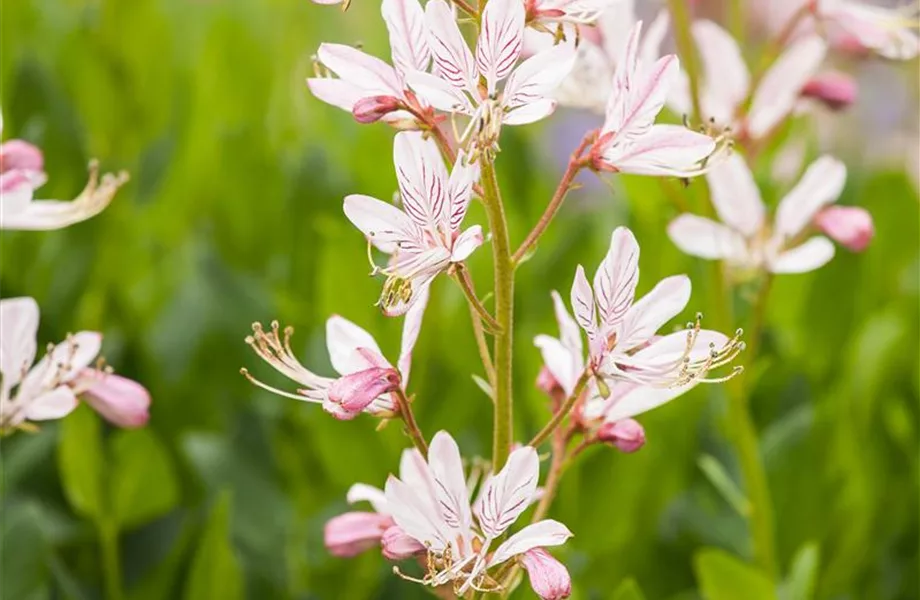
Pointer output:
x,y
111,565
687,50
503,434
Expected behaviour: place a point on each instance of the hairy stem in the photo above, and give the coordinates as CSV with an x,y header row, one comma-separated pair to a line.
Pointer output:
x,y
405,411
503,433
561,414
462,277
576,164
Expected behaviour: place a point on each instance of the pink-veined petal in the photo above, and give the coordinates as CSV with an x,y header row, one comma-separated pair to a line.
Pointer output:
x,y
813,254
412,325
19,323
416,516
460,189
654,309
336,92
55,404
821,185
452,56
405,21
538,535
387,227
414,472
663,150
501,38
508,493
422,179
702,237
530,113
637,399
539,75
735,195
343,338
582,298
453,497
360,69
727,78
779,90
466,243
439,93
616,279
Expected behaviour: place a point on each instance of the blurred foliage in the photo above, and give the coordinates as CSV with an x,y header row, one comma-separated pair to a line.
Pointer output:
x,y
234,215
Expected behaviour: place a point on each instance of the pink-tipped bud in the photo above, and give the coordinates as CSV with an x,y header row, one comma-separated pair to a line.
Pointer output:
x,y
549,385
397,545
849,226
374,108
19,154
352,533
626,435
121,401
834,89
549,578
351,394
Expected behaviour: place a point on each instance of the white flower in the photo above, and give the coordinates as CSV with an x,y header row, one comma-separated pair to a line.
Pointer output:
x,y
745,238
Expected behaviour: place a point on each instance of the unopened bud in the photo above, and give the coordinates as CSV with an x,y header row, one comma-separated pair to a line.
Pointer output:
x,y
549,578
397,545
352,533
19,154
374,108
627,435
850,226
834,89
121,401
351,394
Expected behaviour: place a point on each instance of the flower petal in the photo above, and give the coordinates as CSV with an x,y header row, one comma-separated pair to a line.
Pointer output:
x,y
699,236
582,298
814,253
735,195
460,189
412,325
55,404
19,324
507,494
638,399
422,179
539,75
727,78
779,89
439,93
654,309
121,401
561,362
405,21
452,495
452,56
501,38
530,113
538,535
466,243
387,227
662,150
367,72
336,92
343,338
616,279
361,492
821,185
416,516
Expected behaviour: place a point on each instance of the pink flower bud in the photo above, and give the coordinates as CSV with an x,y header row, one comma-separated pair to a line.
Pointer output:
x,y
11,181
19,154
121,401
834,89
397,545
352,533
374,108
850,226
626,434
548,577
352,393
549,385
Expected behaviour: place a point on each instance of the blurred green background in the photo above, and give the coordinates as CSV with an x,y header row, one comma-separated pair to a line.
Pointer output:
x,y
233,215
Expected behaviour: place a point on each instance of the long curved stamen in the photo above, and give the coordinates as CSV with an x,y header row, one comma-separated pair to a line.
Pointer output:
x,y
245,373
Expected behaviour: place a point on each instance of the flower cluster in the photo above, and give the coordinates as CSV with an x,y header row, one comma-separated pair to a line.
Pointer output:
x,y
615,357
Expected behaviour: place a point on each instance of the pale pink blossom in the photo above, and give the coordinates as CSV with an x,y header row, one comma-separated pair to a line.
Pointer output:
x,y
121,401
424,238
433,507
745,238
368,87
366,379
849,226
456,87
630,141
548,577
833,89
21,163
726,82
352,533
50,388
627,435
546,13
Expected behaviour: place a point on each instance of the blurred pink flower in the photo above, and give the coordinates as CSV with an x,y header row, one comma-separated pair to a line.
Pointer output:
x,y
365,375
849,226
361,77
630,141
423,238
352,533
121,401
834,89
548,577
744,238
456,86
582,12
627,435
431,505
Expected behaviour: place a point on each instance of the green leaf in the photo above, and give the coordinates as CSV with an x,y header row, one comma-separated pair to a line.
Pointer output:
x,y
143,481
81,462
803,574
722,576
722,481
628,590
215,572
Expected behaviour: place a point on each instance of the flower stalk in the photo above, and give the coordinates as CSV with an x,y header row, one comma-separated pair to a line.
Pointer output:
x,y
562,413
412,428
